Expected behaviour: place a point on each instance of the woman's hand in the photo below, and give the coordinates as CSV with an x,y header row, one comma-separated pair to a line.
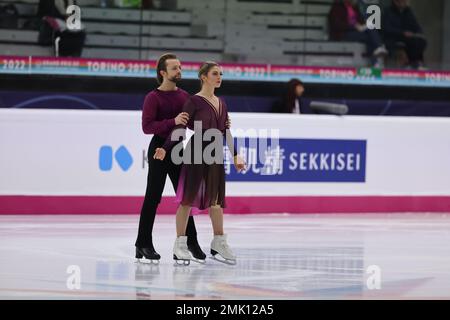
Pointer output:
x,y
239,163
160,154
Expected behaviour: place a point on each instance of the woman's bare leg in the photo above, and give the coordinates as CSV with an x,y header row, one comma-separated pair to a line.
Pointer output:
x,y
182,219
216,215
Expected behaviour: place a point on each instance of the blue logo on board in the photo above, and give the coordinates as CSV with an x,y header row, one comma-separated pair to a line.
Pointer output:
x,y
122,157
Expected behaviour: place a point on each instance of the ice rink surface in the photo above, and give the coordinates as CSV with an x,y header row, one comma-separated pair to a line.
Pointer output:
x,y
280,256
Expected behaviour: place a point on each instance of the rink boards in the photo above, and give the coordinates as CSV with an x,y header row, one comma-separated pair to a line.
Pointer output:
x,y
94,162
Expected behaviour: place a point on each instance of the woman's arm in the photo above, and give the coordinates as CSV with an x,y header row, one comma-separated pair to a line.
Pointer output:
x,y
239,163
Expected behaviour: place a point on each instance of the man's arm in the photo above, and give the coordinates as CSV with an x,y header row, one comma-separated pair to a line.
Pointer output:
x,y
149,112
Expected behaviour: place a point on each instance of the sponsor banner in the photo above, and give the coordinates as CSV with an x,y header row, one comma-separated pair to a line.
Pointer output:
x,y
19,65
241,72
334,163
300,160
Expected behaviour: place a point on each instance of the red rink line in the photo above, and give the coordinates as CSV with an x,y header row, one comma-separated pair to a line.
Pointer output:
x,y
14,204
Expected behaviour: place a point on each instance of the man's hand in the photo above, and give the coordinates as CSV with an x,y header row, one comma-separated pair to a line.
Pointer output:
x,y
182,118
228,123
160,154
408,34
361,27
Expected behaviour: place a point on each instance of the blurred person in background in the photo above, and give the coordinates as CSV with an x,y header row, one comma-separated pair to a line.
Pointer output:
x,y
401,28
291,101
53,29
346,23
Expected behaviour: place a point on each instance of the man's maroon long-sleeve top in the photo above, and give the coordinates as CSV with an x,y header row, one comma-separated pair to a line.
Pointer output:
x,y
160,109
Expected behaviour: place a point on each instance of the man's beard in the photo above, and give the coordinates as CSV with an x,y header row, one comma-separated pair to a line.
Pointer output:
x,y
175,79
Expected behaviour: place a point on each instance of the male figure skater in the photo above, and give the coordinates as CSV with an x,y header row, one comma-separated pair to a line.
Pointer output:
x,y
161,112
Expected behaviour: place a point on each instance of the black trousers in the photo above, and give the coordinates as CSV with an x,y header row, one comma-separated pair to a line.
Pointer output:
x,y
371,38
156,179
414,47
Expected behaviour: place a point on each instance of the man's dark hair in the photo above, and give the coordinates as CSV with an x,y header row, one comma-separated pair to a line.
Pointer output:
x,y
162,65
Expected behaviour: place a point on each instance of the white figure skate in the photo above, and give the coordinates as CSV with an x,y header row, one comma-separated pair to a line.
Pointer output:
x,y
181,254
221,251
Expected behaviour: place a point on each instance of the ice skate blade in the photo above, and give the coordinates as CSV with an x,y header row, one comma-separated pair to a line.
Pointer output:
x,y
225,261
147,261
199,261
181,262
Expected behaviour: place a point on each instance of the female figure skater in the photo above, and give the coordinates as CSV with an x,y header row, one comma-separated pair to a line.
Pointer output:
x,y
202,185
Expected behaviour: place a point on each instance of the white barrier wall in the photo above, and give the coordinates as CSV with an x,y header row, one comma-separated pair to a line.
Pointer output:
x,y
102,153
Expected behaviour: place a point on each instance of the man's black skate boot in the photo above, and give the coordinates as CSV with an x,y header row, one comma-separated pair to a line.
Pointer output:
x,y
148,253
197,253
